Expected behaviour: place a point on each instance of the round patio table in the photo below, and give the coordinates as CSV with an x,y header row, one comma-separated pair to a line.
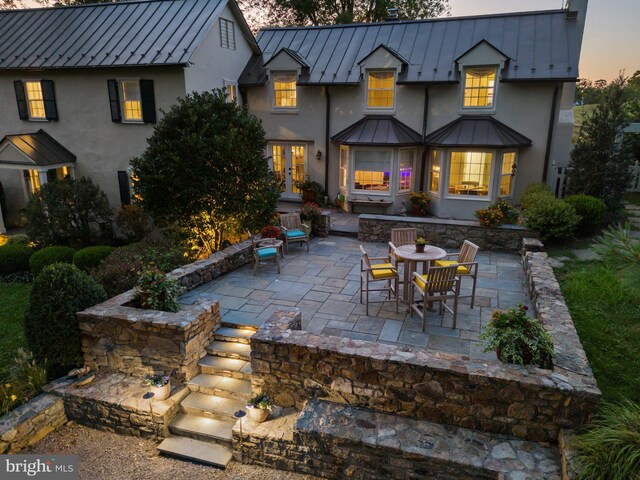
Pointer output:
x,y
411,258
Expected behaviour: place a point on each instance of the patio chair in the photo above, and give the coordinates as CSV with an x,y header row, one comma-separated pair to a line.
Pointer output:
x,y
400,237
438,285
377,272
293,230
264,255
465,261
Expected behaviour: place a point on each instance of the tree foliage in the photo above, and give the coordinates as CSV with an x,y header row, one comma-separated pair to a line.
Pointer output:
x,y
204,171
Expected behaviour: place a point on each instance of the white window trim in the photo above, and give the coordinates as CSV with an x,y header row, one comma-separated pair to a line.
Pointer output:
x,y
391,109
287,155
413,171
432,192
352,172
344,188
513,176
469,198
481,110
228,83
276,109
121,100
26,96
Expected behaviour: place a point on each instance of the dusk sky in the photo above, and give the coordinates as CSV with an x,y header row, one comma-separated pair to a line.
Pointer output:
x,y
611,39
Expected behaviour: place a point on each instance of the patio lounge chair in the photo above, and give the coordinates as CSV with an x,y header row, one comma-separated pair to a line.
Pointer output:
x,y
438,285
376,272
264,255
293,230
465,261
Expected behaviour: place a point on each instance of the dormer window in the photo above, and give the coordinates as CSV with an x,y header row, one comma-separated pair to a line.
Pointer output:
x,y
479,88
284,90
380,90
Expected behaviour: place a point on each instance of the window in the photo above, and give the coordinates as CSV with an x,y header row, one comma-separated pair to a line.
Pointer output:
x,y
436,161
32,177
298,155
35,100
405,167
284,90
232,92
227,34
507,174
479,87
279,166
131,100
344,165
372,170
470,173
380,90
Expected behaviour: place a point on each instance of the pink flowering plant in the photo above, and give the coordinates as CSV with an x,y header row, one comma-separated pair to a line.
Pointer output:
x,y
310,211
518,338
157,291
156,380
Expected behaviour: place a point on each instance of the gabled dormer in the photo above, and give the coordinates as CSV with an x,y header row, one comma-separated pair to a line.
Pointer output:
x,y
380,69
285,69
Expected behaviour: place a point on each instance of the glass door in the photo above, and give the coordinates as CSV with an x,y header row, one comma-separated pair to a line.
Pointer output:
x,y
288,163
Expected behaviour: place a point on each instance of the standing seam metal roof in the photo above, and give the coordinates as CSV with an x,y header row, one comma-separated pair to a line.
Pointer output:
x,y
477,131
40,147
541,45
378,130
137,33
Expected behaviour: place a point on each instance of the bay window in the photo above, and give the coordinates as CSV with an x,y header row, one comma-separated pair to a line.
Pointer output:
x,y
405,169
372,170
436,165
479,88
470,173
507,174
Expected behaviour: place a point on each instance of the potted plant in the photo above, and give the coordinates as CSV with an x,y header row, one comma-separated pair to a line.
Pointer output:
x,y
517,338
419,203
160,386
270,232
311,191
420,243
156,291
259,408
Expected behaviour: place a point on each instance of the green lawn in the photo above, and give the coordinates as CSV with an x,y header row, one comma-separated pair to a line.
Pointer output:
x,y
13,300
605,306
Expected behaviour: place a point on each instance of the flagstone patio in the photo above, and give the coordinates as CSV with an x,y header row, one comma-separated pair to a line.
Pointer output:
x,y
324,284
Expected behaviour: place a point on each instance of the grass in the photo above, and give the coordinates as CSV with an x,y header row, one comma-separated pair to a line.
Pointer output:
x,y
13,301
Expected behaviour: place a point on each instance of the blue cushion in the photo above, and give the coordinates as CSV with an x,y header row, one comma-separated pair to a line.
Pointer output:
x,y
295,234
267,252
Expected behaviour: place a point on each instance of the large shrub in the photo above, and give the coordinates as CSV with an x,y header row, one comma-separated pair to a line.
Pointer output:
x,y
14,258
48,256
554,219
68,212
133,223
591,209
50,322
90,257
535,193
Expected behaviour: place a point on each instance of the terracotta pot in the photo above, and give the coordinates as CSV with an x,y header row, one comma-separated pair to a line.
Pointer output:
x,y
161,393
258,415
415,210
420,248
308,196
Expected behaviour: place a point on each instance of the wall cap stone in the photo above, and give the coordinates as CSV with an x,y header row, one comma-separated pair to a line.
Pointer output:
x,y
437,221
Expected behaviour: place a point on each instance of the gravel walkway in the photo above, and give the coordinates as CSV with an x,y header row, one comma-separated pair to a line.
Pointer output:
x,y
108,456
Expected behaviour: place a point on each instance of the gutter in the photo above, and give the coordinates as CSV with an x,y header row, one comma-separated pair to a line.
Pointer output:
x,y
552,123
327,141
423,161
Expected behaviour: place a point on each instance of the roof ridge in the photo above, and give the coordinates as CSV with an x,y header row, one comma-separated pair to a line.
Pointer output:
x,y
90,5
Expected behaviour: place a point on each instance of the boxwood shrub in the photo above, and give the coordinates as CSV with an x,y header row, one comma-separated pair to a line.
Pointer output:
x,y
48,256
592,211
554,219
90,257
14,258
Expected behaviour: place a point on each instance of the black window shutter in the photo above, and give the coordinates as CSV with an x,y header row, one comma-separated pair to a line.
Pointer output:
x,y
148,101
114,101
51,175
49,98
123,183
21,98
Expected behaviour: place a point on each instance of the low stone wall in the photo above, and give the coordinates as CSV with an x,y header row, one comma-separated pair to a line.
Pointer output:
x,y
445,233
526,402
30,423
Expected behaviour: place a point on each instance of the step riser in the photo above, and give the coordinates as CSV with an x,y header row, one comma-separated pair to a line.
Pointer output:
x,y
225,373
225,338
196,451
219,353
239,325
198,436
220,393
188,459
204,413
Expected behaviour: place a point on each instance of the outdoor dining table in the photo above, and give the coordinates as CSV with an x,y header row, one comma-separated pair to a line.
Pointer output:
x,y
411,257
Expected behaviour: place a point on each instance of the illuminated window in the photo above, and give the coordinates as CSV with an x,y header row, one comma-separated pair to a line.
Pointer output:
x,y
35,100
507,174
436,161
372,170
227,34
344,165
284,90
232,92
298,156
32,177
470,173
279,166
380,89
131,100
62,173
479,87
405,177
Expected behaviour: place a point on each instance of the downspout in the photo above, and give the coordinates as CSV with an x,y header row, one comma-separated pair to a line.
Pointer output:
x,y
327,141
552,123
423,163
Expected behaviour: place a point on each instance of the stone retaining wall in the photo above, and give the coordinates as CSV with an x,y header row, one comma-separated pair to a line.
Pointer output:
x,y
525,402
445,233
30,423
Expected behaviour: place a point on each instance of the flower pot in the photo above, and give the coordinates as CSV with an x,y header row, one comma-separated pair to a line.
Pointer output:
x,y
258,415
416,211
419,248
161,393
308,196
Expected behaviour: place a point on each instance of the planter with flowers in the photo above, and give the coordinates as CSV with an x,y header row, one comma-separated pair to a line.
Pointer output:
x,y
160,386
156,291
497,213
420,202
259,408
270,232
310,214
517,338
420,244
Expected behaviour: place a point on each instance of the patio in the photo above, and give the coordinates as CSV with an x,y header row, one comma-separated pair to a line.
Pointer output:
x,y
324,284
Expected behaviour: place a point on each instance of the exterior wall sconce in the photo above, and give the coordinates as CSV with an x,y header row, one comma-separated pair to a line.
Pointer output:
x,y
319,155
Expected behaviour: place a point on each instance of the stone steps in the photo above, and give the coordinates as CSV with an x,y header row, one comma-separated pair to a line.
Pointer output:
x,y
212,406
233,334
226,367
197,450
240,351
221,386
202,428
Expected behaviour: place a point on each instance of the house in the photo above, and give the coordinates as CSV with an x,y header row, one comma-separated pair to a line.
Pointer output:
x,y
467,109
82,87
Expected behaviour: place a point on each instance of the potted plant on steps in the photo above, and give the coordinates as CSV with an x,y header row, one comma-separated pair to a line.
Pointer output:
x,y
420,243
160,386
259,408
517,338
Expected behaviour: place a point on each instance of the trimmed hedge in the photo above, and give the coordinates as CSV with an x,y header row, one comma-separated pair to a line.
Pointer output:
x,y
48,256
90,257
14,258
50,322
554,219
591,209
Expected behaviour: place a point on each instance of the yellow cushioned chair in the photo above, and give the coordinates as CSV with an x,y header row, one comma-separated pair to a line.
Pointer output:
x,y
439,285
382,270
465,261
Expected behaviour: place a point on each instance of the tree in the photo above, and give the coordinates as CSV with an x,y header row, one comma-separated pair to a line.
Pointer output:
x,y
328,12
600,162
204,172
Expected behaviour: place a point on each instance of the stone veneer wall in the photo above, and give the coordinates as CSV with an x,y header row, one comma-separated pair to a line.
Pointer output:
x,y
445,233
527,402
30,423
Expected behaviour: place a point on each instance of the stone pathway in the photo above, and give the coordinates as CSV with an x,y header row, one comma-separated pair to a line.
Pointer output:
x,y
324,284
634,218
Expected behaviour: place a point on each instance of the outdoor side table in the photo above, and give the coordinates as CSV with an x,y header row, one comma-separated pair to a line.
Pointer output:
x,y
411,257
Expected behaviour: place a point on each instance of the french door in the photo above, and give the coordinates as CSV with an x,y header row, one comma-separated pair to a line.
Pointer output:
x,y
288,162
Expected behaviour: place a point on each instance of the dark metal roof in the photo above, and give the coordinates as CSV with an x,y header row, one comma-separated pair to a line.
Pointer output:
x,y
294,55
542,45
40,147
403,60
477,131
137,33
378,130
